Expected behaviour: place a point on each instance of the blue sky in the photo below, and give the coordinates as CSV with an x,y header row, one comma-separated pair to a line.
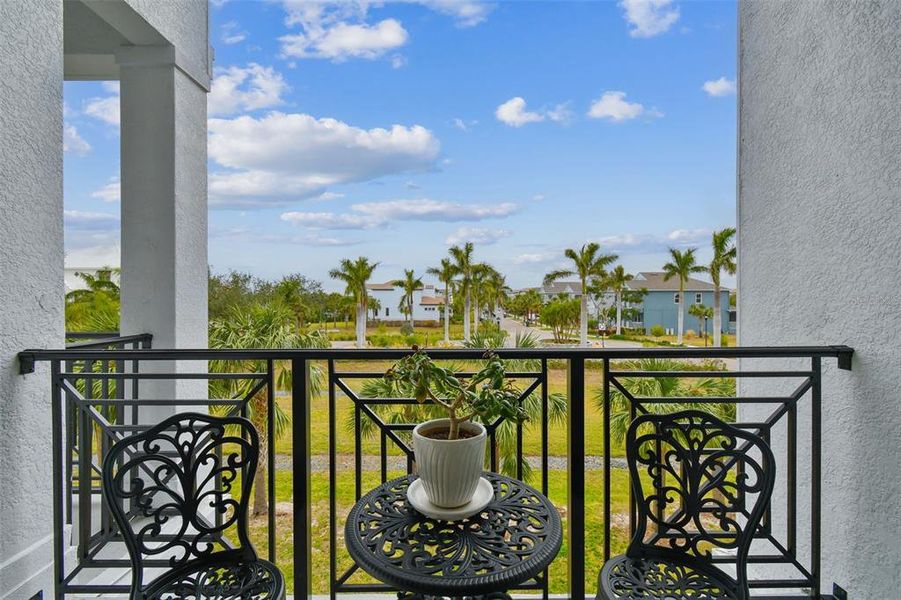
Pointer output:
x,y
392,130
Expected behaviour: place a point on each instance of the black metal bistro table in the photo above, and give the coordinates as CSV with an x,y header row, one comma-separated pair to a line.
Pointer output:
x,y
504,547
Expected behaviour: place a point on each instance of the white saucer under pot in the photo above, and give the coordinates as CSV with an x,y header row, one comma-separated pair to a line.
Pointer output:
x,y
419,500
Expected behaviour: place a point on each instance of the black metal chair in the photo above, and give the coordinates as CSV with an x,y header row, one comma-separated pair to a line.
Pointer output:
x,y
170,492
700,485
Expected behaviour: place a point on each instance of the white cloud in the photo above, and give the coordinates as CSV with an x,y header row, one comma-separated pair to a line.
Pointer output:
x,y
513,113
398,61
345,40
110,86
646,243
73,142
434,210
89,220
232,33
327,196
613,106
370,215
104,109
298,156
476,235
106,255
649,17
465,13
245,88
719,87
111,192
537,258
688,237
255,236
560,113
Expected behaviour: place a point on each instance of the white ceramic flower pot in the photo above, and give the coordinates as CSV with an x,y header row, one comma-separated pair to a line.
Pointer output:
x,y
449,469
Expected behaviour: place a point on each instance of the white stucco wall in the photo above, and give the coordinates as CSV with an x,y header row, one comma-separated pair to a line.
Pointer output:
x,y
31,267
819,218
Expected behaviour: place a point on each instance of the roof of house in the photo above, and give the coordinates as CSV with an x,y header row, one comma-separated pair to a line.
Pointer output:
x,y
562,287
380,286
653,281
431,301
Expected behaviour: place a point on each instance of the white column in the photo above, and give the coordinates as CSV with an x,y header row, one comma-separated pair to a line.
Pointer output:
x,y
164,208
31,295
819,217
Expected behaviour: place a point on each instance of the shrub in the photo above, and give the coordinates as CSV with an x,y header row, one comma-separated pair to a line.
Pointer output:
x,y
406,328
658,330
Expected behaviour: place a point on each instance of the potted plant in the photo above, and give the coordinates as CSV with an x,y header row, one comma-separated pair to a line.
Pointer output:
x,y
450,452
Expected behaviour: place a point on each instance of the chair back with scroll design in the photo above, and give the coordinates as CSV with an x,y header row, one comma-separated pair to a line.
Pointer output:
x,y
700,484
170,492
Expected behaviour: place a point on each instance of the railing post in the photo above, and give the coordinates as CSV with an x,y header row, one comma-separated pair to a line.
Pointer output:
x,y
270,454
606,459
57,405
575,498
815,471
300,406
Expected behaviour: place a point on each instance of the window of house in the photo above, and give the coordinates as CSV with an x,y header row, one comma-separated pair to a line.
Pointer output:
x,y
699,299
676,298
387,312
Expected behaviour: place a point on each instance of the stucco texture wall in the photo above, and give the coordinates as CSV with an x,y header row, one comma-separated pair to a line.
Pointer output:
x,y
819,248
31,296
185,23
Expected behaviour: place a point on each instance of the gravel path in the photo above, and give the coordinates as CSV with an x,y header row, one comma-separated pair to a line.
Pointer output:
x,y
319,462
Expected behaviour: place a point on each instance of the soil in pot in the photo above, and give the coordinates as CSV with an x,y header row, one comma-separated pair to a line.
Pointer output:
x,y
443,433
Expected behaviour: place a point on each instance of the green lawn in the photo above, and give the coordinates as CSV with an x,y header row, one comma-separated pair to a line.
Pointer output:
x,y
345,498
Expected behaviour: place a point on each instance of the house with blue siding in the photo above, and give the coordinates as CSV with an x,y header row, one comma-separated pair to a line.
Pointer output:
x,y
660,304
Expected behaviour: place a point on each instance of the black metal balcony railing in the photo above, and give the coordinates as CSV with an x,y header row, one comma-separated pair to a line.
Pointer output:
x,y
96,400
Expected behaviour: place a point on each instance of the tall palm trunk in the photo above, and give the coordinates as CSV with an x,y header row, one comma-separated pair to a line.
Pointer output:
x,y
475,316
467,305
583,319
446,316
361,326
681,313
619,313
717,318
260,488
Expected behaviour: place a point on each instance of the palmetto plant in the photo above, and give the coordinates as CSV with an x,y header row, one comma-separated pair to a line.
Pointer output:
x,y
682,264
410,283
261,326
724,255
355,274
462,257
588,264
665,386
445,274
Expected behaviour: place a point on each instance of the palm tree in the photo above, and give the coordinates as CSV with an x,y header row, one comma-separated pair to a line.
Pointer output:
x,y
495,290
445,274
682,265
618,281
355,274
410,283
290,292
702,312
724,255
462,257
481,273
588,265
262,326
96,307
